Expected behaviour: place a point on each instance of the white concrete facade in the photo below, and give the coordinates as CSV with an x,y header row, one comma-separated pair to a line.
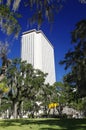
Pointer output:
x,y
37,50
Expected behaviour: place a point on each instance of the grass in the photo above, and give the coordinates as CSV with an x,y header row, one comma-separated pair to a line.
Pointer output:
x,y
43,124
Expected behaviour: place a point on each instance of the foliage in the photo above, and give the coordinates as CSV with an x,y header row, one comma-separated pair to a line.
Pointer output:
x,y
62,91
8,19
26,84
41,10
23,81
3,88
67,95
4,50
5,105
44,10
76,60
80,105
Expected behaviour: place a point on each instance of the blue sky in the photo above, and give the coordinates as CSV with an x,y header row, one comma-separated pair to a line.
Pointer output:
x,y
60,35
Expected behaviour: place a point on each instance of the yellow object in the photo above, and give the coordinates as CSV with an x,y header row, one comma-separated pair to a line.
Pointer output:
x,y
53,105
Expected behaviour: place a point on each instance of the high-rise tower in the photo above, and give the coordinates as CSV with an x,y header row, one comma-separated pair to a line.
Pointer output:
x,y
37,50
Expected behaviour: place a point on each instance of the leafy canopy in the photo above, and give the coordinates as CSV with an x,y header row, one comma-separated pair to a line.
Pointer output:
x,y
76,59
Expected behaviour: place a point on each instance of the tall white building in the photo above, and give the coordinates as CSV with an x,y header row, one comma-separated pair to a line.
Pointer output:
x,y
37,50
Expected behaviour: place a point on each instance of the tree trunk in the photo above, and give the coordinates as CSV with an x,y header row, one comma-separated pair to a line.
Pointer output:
x,y
20,109
15,110
15,106
0,101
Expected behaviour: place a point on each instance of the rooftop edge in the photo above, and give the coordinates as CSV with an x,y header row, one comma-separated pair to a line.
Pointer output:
x,y
39,31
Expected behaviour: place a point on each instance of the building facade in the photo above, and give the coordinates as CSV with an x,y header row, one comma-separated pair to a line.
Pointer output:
x,y
37,50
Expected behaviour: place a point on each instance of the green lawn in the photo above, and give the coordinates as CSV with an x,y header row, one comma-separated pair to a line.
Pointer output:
x,y
43,124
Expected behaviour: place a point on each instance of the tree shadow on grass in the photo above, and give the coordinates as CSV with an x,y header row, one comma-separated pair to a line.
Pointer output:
x,y
64,124
6,123
51,129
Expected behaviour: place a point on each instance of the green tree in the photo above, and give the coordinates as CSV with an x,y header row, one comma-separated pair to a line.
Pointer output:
x,y
24,83
8,20
4,50
76,60
41,10
3,89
